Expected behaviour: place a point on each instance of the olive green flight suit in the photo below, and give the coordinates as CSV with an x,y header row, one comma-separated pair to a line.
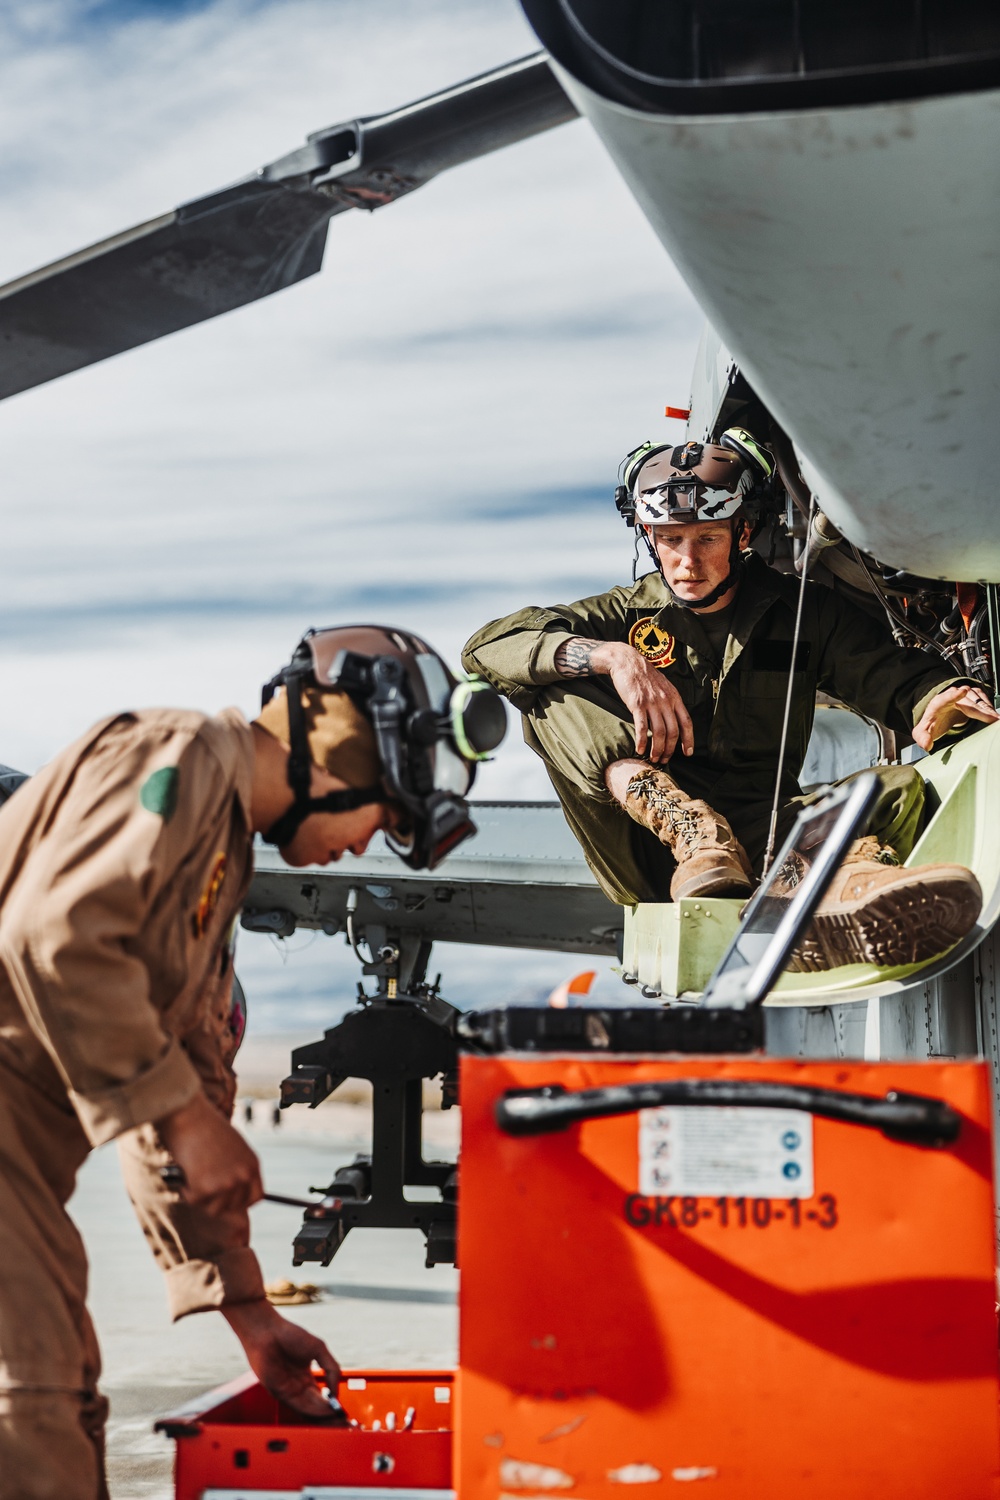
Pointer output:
x,y
123,866
579,726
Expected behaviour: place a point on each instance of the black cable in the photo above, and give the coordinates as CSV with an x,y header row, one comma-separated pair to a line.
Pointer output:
x,y
894,619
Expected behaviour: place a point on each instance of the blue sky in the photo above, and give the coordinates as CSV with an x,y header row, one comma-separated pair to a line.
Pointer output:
x,y
423,432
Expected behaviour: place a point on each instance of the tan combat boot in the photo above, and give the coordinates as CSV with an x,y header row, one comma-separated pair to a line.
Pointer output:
x,y
710,859
875,912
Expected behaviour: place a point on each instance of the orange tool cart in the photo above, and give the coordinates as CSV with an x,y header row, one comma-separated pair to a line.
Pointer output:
x,y
772,1278
647,1300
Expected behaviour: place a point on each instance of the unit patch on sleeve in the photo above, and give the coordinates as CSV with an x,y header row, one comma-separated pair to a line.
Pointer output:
x,y
158,793
209,898
653,643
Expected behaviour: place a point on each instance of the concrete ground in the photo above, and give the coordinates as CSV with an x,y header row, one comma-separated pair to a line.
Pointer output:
x,y
380,1305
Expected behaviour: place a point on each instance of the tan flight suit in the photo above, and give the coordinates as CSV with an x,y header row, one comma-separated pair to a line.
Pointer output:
x,y
123,865
579,726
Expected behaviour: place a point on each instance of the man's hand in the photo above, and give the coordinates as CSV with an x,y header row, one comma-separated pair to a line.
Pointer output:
x,y
656,706
951,707
221,1172
280,1354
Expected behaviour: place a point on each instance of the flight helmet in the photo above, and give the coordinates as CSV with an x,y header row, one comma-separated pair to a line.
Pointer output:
x,y
405,725
689,482
693,481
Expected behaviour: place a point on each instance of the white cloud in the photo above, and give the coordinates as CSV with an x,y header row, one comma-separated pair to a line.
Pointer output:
x,y
371,442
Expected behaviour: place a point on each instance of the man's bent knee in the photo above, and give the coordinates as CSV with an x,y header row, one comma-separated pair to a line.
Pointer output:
x,y
52,1445
576,736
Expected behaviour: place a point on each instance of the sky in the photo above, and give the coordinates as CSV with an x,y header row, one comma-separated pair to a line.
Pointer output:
x,y
426,433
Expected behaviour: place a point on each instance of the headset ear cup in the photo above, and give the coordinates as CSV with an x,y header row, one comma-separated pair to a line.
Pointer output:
x,y
478,718
753,453
625,504
628,470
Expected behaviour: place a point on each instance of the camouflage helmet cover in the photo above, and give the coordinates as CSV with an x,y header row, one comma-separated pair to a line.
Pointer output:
x,y
696,481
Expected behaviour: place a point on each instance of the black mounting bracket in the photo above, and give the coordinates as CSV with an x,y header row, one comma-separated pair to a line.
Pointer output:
x,y
395,1040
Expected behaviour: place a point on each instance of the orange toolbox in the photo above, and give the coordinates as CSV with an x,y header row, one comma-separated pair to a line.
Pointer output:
x,y
238,1441
754,1302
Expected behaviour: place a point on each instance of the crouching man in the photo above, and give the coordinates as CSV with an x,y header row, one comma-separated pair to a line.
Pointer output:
x,y
657,709
123,866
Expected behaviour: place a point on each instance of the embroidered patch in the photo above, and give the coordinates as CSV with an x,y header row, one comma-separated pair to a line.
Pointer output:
x,y
159,792
652,642
209,898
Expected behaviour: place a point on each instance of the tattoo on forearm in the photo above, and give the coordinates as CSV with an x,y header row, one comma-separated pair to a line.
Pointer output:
x,y
573,657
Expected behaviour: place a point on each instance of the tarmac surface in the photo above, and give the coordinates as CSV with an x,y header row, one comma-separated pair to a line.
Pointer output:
x,y
380,1307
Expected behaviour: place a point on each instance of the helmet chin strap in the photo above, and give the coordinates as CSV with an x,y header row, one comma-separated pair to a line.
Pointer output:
x,y
284,830
731,579
304,804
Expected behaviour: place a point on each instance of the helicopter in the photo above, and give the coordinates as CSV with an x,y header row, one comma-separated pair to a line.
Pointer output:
x,y
841,337
920,556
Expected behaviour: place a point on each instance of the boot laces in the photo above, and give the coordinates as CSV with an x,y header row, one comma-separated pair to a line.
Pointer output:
x,y
869,848
673,806
683,822
789,872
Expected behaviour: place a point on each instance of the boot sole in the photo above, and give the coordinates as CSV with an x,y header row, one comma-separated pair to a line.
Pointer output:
x,y
721,882
891,929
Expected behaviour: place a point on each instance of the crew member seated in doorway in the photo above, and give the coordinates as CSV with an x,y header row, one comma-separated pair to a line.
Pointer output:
x,y
657,709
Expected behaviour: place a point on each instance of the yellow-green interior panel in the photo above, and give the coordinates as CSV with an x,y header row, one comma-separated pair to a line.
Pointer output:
x,y
672,948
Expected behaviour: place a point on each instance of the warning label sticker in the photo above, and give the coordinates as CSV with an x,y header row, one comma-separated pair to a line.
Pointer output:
x,y
702,1152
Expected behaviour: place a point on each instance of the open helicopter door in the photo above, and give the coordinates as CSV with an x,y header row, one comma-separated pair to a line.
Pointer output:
x,y
774,1277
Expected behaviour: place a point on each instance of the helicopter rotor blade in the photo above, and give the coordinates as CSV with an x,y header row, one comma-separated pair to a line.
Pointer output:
x,y
264,233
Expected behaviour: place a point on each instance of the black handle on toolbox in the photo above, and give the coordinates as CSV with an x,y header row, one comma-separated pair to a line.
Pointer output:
x,y
902,1117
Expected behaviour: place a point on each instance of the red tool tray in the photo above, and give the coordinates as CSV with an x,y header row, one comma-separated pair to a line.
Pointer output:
x,y
239,1439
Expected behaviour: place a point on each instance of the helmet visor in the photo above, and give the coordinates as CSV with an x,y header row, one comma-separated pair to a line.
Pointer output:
x,y
448,771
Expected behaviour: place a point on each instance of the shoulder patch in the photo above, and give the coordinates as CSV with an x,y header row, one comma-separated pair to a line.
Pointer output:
x,y
654,644
159,792
209,898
